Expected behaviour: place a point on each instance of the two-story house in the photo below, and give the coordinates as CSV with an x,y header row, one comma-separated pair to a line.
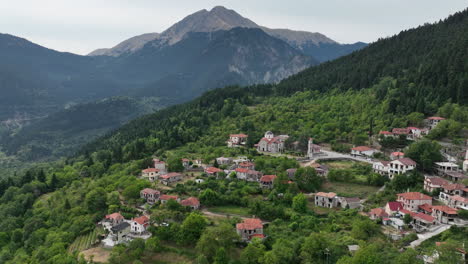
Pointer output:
x,y
160,165
328,200
166,179
139,224
236,140
150,195
191,202
381,167
250,228
266,181
400,166
412,200
434,183
151,174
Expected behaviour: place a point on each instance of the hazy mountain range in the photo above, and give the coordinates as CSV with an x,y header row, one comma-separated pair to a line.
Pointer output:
x,y
205,50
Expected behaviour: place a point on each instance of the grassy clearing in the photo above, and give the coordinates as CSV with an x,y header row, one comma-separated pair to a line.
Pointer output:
x,y
349,189
230,209
85,241
97,254
340,164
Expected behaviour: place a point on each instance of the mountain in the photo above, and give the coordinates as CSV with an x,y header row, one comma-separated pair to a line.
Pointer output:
x,y
316,45
49,213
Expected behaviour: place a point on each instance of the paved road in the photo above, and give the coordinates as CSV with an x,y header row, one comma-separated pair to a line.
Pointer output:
x,y
331,155
427,235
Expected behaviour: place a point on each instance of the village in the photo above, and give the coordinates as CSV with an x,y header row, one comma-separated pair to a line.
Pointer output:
x,y
426,214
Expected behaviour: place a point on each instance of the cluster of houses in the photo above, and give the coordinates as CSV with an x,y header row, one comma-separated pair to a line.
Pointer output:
x,y
152,196
250,228
413,133
122,230
159,172
425,216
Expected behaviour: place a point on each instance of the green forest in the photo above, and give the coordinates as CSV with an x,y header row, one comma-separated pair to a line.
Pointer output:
x,y
50,211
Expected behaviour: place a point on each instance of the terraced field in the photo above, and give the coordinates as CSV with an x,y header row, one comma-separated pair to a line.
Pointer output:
x,y
85,241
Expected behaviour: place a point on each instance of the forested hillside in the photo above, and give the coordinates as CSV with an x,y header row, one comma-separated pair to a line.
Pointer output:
x,y
51,207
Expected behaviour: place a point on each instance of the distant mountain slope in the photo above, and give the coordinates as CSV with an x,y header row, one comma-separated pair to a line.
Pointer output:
x,y
418,70
129,45
221,18
62,132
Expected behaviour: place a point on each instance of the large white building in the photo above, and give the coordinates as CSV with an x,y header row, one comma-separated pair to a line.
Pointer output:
x,y
465,163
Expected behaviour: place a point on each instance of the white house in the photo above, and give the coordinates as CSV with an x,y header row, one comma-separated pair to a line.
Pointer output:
x,y
465,163
237,140
150,174
381,167
363,151
400,166
433,121
139,224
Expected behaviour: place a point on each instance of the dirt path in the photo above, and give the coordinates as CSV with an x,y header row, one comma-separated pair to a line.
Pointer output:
x,y
99,254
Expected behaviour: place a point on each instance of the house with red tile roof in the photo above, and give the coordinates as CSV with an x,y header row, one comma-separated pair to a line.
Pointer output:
x,y
266,181
191,202
151,174
164,198
397,155
236,140
425,208
114,219
171,177
453,189
400,166
381,167
363,151
185,163
434,183
213,171
456,201
423,222
433,121
246,165
250,228
377,213
138,225
444,214
150,195
391,208
412,200
271,143
160,165
328,200
386,133
248,175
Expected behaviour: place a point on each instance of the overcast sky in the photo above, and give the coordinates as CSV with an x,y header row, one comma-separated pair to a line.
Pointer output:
x,y
81,26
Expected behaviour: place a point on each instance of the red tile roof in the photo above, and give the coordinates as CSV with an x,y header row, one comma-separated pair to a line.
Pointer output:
x,y
191,201
142,220
407,161
437,181
426,207
257,235
385,133
436,118
395,206
166,197
185,160
238,135
404,211
157,161
250,224
397,154
115,216
378,212
324,194
459,198
445,209
454,186
242,170
362,148
246,164
212,170
150,191
170,175
424,217
414,196
268,178
150,170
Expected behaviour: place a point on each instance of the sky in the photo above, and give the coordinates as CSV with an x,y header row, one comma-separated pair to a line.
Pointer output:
x,y
81,26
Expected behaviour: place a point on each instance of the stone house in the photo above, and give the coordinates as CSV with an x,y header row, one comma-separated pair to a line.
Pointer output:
x,y
329,200
185,163
411,200
444,214
248,175
114,219
423,222
224,161
236,140
166,179
434,183
349,202
392,208
272,144
213,171
444,167
455,176
165,198
191,202
151,174
160,165
120,232
377,213
433,121
150,195
457,201
250,228
266,181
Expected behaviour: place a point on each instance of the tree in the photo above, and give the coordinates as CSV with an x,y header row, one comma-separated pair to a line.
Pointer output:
x,y
364,229
209,197
131,192
53,184
192,227
153,244
221,256
41,176
307,179
300,203
95,200
253,253
201,259
281,252
409,256
424,153
318,247
407,218
213,238
174,164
